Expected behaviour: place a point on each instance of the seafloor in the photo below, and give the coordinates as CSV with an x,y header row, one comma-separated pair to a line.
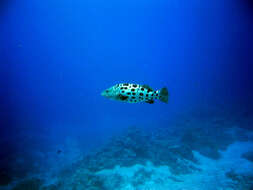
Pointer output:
x,y
198,151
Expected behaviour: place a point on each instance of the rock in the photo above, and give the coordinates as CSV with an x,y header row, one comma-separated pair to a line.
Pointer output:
x,y
207,141
140,177
51,187
248,156
5,178
125,150
135,147
29,184
242,181
114,181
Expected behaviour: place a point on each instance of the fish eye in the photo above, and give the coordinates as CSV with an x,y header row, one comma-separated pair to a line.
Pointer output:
x,y
107,91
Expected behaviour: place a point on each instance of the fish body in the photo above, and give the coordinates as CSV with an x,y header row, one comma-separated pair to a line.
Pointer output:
x,y
134,93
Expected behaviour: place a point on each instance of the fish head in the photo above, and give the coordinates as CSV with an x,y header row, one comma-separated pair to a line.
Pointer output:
x,y
111,93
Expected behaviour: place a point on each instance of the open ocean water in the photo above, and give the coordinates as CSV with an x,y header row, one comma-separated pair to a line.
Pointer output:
x,y
126,95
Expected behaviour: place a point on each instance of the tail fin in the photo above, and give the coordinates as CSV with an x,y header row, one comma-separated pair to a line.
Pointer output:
x,y
164,95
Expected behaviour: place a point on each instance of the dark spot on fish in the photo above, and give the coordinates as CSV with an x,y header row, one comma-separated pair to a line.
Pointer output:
x,y
134,85
156,94
134,93
149,90
146,95
132,89
125,88
141,94
121,88
135,100
123,91
142,89
128,93
125,84
133,97
152,94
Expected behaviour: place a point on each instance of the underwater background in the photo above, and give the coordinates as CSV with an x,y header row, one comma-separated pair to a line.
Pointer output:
x,y
58,132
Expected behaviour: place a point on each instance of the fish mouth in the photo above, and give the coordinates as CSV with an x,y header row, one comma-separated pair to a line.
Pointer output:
x,y
103,93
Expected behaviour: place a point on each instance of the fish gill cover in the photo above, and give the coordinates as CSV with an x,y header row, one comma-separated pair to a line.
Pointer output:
x,y
57,132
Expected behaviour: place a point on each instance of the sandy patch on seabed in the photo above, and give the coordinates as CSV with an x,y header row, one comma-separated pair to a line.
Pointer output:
x,y
212,175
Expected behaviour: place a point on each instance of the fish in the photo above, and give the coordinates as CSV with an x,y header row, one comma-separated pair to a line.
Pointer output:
x,y
134,93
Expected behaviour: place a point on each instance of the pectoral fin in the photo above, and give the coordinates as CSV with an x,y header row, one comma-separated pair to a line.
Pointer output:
x,y
122,97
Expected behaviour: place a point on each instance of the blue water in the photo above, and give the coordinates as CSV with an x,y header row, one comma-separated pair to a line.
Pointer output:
x,y
58,56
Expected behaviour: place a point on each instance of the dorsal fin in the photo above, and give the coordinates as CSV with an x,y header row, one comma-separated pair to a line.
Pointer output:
x,y
147,87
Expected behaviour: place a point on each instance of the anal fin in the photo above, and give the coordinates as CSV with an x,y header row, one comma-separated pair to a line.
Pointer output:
x,y
150,101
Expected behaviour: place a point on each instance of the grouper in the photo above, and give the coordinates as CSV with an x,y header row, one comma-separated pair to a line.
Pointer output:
x,y
134,93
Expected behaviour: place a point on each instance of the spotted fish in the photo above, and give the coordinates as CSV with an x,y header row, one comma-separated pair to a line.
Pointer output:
x,y
133,93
